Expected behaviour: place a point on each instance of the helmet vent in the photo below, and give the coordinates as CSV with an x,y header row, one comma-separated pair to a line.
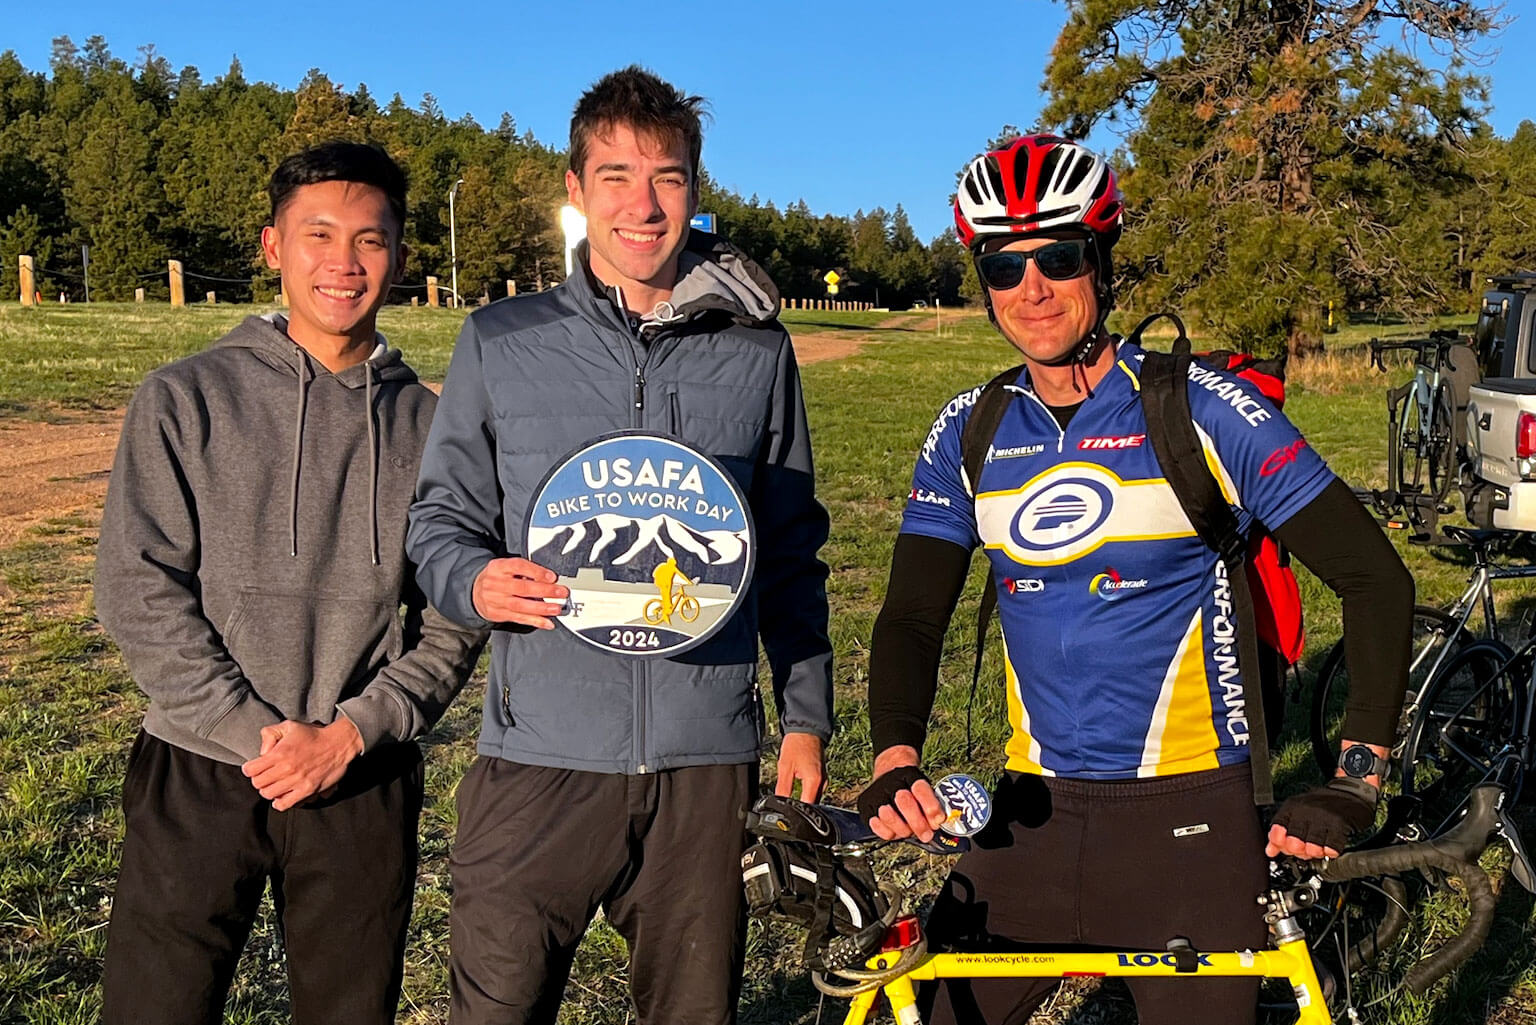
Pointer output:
x,y
1048,167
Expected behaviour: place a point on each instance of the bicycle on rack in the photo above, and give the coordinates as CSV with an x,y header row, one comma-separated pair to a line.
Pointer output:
x,y
812,866
1437,635
1421,429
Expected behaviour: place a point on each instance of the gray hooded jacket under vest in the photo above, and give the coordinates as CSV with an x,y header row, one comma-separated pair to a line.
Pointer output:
x,y
536,376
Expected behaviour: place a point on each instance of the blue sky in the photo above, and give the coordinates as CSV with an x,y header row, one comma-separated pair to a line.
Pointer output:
x,y
845,106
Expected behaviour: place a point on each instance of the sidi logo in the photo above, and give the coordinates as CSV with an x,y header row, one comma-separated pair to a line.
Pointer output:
x,y
1027,585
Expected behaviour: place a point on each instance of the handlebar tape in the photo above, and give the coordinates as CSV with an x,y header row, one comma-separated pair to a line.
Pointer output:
x,y
1400,859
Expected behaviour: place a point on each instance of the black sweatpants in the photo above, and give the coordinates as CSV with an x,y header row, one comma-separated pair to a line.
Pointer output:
x,y
539,850
1071,864
201,845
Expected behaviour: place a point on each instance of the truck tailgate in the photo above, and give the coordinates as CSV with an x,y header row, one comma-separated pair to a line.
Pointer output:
x,y
1493,413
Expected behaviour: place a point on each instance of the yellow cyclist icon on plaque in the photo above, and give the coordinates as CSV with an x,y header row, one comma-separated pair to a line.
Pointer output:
x,y
666,576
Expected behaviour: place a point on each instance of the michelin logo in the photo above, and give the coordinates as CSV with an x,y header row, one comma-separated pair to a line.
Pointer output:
x,y
1016,452
957,405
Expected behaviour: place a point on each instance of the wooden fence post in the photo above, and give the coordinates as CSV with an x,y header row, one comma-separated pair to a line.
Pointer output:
x,y
431,291
138,295
212,299
178,284
511,288
28,280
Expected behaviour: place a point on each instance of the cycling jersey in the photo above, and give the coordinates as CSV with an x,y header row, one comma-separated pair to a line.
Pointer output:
x,y
1118,630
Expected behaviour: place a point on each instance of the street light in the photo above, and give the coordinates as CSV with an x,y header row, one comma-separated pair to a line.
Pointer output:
x,y
453,243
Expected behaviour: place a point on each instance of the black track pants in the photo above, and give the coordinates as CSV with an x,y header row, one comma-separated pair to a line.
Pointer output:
x,y
201,845
539,850
1126,866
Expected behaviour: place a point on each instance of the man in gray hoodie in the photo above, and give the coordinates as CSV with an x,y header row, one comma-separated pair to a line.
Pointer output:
x,y
252,570
608,781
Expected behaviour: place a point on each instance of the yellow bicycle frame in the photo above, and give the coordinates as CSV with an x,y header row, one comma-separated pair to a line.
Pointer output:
x,y
1289,960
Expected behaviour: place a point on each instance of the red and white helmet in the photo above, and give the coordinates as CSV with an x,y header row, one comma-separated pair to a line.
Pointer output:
x,y
1038,183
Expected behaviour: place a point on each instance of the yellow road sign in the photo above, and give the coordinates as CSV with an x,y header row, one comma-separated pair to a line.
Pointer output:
x,y
831,289
831,277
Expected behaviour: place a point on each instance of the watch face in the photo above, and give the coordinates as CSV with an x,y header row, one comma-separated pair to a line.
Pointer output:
x,y
1358,761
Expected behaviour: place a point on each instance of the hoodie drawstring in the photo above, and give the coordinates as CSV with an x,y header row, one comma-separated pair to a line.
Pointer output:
x,y
298,448
373,464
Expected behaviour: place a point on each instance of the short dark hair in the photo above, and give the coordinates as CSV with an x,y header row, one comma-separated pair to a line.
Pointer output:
x,y
339,161
637,98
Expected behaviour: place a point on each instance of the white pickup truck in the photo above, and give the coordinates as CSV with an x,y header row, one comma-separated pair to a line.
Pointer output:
x,y
1500,488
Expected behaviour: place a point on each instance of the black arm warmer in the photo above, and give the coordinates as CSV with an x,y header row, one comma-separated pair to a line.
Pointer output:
x,y
1337,540
927,576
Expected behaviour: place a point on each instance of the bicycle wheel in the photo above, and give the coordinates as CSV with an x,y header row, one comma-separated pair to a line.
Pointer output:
x,y
1410,444
1432,629
1467,730
688,607
653,614
1440,446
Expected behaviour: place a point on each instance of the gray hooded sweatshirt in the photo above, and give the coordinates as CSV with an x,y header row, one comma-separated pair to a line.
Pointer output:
x,y
252,564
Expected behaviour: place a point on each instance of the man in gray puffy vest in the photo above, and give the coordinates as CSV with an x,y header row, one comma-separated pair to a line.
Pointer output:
x,y
605,780
252,569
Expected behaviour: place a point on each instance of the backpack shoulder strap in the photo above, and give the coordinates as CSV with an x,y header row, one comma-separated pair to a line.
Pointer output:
x,y
1180,456
975,440
986,414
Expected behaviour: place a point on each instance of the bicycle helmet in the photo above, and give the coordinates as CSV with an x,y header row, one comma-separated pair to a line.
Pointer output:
x,y
1043,185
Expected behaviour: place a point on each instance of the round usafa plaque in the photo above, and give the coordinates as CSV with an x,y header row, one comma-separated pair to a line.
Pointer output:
x,y
653,538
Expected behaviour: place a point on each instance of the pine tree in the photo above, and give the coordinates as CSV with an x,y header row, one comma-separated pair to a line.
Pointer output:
x,y
1280,153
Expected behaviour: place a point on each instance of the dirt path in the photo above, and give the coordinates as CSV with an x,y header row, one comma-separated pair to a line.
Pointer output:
x,y
840,343
49,470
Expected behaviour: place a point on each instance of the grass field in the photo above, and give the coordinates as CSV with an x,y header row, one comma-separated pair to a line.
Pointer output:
x,y
68,710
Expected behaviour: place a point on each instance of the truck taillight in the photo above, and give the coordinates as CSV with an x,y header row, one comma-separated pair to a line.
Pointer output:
x,y
1525,436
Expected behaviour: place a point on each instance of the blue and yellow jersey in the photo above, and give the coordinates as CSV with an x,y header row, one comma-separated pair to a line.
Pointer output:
x,y
1118,626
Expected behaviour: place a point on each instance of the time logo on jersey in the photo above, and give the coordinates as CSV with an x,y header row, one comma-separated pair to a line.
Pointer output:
x,y
1072,509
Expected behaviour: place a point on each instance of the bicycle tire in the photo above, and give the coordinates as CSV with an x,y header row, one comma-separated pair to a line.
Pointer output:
x,y
1410,441
1468,723
1431,626
688,608
1440,445
652,612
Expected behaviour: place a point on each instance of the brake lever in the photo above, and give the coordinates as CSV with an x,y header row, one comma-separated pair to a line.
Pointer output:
x,y
1520,868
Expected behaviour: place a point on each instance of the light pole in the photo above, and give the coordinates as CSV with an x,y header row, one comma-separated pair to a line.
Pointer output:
x,y
453,242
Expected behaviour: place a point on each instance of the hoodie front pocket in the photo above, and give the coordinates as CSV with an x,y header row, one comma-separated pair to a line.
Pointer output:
x,y
304,652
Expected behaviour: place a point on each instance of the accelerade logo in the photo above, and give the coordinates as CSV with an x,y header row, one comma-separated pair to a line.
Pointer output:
x,y
654,540
1111,586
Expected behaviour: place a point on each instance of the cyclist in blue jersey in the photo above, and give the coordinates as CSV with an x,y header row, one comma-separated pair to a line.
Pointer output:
x,y
1125,816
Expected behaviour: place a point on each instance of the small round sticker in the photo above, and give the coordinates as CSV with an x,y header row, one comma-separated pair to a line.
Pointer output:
x,y
653,538
966,803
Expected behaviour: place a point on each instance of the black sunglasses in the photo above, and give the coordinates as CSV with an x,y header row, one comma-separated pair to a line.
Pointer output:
x,y
1059,261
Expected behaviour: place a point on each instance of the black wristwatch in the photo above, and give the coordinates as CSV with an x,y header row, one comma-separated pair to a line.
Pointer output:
x,y
1359,761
